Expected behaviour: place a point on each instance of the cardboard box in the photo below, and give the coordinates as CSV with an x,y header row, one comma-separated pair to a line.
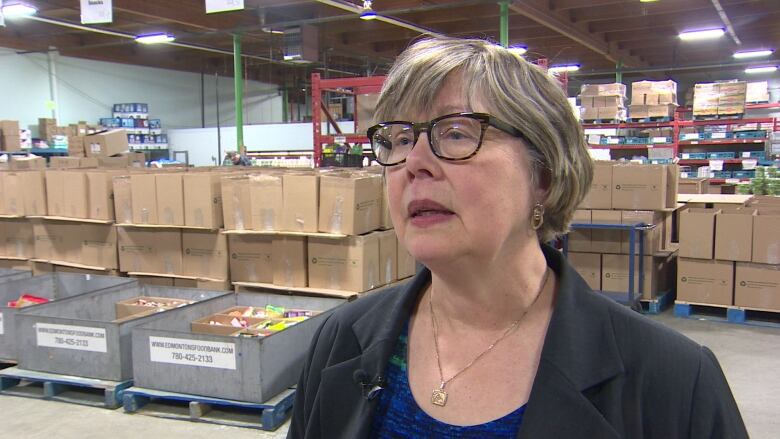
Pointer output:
x,y
705,281
150,250
123,199
588,265
154,280
612,113
34,191
661,110
693,186
757,286
251,258
9,128
106,144
388,257
55,192
16,238
10,143
99,246
101,195
587,101
236,203
202,200
126,160
407,266
144,198
614,275
697,233
613,89
386,221
653,238
580,239
57,162
605,240
589,113
76,146
734,234
766,237
170,199
129,307
639,187
349,264
600,193
40,268
57,241
301,201
638,111
205,254
267,202
12,193
76,202
26,163
202,284
290,255
349,203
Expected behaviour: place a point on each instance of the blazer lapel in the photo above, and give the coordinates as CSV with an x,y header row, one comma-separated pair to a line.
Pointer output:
x,y
580,352
346,412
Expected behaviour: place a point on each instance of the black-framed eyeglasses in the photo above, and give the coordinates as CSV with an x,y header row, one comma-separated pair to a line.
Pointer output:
x,y
451,137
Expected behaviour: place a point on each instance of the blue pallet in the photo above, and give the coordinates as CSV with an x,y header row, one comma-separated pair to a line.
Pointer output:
x,y
65,388
659,304
755,134
727,314
694,156
264,416
721,155
721,174
636,141
743,174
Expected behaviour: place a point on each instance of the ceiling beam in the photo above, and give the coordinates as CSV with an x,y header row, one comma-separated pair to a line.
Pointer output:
x,y
650,10
539,11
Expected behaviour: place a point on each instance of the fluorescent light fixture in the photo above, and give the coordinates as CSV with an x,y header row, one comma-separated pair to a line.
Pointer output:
x,y
706,34
518,50
268,30
18,10
154,38
368,13
752,54
564,68
763,69
647,1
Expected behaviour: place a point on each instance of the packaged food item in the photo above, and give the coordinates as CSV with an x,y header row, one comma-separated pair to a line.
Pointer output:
x,y
26,300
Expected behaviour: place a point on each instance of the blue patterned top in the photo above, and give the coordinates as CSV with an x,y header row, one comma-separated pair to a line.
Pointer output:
x,y
397,414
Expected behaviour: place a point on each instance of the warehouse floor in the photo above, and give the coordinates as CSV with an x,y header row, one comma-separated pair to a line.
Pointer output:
x,y
747,354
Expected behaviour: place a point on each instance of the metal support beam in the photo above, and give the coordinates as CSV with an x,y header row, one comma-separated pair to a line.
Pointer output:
x,y
504,23
238,83
53,89
619,71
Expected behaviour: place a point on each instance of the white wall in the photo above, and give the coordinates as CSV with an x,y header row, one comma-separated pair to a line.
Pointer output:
x,y
87,90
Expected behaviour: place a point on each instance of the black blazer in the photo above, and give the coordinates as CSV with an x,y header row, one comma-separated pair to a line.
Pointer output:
x,y
605,371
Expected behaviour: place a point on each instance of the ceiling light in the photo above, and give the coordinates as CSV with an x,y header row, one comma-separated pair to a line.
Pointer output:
x,y
707,34
154,38
268,30
368,13
647,1
518,50
752,53
564,68
18,10
764,69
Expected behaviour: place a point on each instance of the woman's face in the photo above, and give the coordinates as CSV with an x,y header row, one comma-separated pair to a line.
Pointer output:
x,y
444,211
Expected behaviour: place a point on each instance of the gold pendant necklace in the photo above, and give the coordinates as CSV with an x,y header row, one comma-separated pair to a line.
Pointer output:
x,y
439,396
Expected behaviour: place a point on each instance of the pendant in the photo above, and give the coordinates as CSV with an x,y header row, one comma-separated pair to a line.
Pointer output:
x,y
439,396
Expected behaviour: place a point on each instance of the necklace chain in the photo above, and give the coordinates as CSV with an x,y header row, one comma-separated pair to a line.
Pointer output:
x,y
489,348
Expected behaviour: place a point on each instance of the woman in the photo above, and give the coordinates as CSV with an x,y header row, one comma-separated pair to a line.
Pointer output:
x,y
498,336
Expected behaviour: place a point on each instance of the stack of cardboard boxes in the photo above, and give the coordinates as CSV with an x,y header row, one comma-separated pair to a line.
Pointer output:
x,y
105,149
294,223
722,98
730,256
653,99
623,193
603,102
10,138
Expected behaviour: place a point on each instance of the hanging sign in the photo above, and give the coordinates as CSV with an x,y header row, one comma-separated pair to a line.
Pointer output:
x,y
96,11
213,6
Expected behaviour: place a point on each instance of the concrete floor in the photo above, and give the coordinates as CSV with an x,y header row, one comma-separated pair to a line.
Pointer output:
x,y
749,357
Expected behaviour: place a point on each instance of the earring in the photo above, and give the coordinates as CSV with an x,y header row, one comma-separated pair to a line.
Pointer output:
x,y
538,216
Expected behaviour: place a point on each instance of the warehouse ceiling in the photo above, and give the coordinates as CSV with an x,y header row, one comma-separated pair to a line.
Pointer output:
x,y
597,34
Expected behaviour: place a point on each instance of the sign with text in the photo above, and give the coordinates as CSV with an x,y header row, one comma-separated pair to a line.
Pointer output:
x,y
213,6
81,338
192,352
96,11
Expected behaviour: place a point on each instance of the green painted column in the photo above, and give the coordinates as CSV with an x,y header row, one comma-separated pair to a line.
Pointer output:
x,y
285,105
239,92
619,71
504,24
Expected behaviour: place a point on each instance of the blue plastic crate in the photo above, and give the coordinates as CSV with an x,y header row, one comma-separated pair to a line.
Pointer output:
x,y
755,134
155,124
693,155
691,136
760,155
721,155
636,140
721,174
743,174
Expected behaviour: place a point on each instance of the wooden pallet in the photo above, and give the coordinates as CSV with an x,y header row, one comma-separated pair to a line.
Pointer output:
x,y
719,117
65,388
266,416
728,314
603,121
659,304
649,119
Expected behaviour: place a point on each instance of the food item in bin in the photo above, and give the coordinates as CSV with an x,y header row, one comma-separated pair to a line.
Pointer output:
x,y
169,303
300,313
27,300
239,323
274,311
249,312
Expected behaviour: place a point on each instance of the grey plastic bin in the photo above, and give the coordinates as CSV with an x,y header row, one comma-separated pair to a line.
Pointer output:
x,y
78,336
9,275
240,368
52,286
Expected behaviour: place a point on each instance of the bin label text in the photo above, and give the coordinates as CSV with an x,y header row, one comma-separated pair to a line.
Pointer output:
x,y
81,338
192,352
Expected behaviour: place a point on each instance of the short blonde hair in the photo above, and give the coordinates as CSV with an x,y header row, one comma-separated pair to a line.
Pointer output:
x,y
515,91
